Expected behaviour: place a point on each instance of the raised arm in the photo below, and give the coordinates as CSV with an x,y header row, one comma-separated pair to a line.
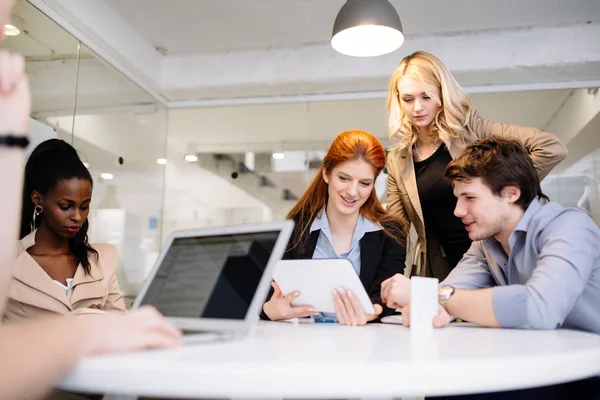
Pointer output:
x,y
15,105
545,149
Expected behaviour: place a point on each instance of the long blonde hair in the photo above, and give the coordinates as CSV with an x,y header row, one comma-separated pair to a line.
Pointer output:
x,y
450,120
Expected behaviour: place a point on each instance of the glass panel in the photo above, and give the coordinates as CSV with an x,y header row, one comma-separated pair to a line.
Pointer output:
x,y
51,62
217,189
578,186
121,131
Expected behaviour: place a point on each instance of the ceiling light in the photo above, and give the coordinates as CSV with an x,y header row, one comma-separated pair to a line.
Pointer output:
x,y
161,161
106,176
11,30
278,156
191,158
367,28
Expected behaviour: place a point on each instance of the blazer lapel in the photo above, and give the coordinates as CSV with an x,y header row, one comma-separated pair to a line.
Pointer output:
x,y
87,286
369,249
307,250
409,179
33,285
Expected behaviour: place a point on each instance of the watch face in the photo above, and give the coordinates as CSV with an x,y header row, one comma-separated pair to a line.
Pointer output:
x,y
444,293
447,290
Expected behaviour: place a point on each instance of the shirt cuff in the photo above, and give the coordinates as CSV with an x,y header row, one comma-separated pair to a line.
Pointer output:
x,y
510,305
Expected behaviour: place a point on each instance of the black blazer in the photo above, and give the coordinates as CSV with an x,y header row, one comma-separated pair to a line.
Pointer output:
x,y
381,257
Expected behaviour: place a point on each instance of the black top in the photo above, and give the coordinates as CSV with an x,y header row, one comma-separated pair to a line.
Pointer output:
x,y
438,204
381,257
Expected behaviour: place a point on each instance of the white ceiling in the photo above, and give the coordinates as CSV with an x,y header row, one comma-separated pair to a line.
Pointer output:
x,y
185,27
242,52
40,37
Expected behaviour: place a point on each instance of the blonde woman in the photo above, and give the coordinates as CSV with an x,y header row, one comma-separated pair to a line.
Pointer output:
x,y
430,123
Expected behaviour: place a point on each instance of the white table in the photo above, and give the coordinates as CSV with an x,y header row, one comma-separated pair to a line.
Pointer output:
x,y
334,361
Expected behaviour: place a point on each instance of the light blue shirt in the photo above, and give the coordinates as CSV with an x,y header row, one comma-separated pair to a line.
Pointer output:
x,y
324,248
551,278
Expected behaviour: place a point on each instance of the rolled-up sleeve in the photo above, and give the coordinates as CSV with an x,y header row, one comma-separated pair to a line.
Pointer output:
x,y
568,250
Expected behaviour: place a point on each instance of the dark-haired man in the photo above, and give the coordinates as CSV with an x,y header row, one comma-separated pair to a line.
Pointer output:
x,y
534,264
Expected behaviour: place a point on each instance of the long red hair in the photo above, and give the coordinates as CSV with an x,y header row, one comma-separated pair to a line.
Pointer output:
x,y
347,146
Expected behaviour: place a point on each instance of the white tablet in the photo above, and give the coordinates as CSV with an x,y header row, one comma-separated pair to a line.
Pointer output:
x,y
316,279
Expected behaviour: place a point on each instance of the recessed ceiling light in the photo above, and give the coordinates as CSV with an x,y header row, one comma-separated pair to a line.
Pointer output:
x,y
11,30
191,158
278,156
106,175
161,161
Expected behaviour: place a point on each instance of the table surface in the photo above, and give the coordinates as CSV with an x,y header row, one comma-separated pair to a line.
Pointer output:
x,y
332,361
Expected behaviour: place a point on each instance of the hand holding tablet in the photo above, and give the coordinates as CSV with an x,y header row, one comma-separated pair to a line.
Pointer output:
x,y
316,281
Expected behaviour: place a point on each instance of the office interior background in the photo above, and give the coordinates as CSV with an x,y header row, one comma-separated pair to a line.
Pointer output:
x,y
204,113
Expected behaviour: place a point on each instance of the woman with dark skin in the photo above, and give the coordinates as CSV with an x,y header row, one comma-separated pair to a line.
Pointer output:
x,y
30,367
77,276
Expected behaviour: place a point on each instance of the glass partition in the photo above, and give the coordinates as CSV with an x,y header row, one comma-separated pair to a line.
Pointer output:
x,y
51,60
117,128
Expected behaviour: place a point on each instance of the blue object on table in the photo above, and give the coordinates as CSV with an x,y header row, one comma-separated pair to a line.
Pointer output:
x,y
321,319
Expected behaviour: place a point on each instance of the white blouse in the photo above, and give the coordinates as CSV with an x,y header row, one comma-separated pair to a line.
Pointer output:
x,y
69,283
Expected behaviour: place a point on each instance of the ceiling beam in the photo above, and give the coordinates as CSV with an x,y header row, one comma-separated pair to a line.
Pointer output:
x,y
521,59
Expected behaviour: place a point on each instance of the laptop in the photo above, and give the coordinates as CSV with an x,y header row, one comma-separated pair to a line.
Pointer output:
x,y
212,283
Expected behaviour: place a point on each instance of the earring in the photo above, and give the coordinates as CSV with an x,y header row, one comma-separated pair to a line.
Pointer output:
x,y
37,210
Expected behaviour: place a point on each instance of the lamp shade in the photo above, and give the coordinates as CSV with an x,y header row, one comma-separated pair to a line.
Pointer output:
x,y
367,28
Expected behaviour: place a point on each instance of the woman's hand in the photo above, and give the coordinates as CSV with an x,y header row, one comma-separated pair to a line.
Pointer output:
x,y
349,311
280,306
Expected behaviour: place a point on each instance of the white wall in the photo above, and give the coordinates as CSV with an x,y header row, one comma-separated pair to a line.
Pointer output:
x,y
38,132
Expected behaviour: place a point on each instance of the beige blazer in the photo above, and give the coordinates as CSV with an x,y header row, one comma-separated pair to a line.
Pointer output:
x,y
403,197
32,293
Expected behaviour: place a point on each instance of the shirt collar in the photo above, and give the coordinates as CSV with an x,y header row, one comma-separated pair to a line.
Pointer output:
x,y
319,222
363,224
27,241
533,208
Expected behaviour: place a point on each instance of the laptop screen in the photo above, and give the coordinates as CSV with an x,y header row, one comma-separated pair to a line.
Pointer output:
x,y
211,276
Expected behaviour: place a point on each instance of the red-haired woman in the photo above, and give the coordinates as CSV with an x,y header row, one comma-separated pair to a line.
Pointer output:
x,y
339,216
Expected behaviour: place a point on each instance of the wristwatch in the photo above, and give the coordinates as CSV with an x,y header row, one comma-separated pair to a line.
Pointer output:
x,y
444,294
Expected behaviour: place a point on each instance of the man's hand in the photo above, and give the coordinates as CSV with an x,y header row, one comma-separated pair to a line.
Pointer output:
x,y
349,311
395,291
441,320
15,99
280,306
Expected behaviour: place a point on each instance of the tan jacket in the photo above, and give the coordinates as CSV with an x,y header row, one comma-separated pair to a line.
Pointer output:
x,y
32,293
403,197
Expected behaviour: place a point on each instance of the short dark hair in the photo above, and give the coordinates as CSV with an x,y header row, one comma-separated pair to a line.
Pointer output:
x,y
499,162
